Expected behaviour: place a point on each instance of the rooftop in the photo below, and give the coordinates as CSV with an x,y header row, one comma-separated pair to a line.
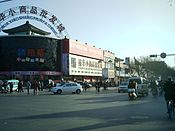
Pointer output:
x,y
27,27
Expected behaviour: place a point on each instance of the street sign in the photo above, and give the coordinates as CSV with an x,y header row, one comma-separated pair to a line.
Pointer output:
x,y
163,55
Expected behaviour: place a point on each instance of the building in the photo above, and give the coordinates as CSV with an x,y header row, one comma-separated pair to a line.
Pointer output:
x,y
108,66
28,52
81,62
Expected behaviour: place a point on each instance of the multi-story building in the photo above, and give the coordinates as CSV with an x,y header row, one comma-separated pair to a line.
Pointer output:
x,y
108,70
27,52
81,62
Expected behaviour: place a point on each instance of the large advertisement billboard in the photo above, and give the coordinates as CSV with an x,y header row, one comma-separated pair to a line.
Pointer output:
x,y
75,47
81,66
29,53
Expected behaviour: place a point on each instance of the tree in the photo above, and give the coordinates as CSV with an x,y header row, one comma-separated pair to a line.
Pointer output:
x,y
151,68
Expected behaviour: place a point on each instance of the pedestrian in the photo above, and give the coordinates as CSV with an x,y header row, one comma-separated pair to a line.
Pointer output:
x,y
35,87
1,84
39,85
97,85
11,87
154,88
42,85
28,85
169,91
20,86
5,84
105,85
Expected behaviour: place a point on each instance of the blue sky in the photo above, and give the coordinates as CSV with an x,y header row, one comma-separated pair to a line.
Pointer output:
x,y
128,28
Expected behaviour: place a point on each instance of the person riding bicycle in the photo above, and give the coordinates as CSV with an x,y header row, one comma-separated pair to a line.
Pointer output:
x,y
169,91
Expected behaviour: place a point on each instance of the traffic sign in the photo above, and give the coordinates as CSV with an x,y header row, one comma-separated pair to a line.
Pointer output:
x,y
163,55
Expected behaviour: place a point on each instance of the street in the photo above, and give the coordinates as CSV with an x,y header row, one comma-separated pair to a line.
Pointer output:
x,y
104,111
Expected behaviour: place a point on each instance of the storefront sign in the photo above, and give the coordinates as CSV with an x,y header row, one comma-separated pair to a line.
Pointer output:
x,y
79,65
33,13
30,73
85,50
30,55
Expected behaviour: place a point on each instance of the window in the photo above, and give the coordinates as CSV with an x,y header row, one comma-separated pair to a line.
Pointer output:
x,y
73,62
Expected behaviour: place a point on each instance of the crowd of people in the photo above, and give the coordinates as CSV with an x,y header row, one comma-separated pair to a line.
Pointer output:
x,y
35,85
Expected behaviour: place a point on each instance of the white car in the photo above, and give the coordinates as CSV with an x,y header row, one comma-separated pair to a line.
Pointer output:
x,y
123,87
15,84
67,87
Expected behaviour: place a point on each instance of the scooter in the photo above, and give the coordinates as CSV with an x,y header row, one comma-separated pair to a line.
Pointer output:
x,y
154,92
132,94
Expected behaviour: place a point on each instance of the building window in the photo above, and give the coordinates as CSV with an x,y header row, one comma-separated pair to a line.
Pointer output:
x,y
73,62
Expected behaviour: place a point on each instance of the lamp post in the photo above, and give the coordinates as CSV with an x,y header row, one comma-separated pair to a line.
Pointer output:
x,y
118,60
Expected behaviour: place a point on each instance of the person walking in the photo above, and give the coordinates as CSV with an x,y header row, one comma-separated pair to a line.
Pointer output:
x,y
28,85
35,87
1,84
20,86
169,91
11,87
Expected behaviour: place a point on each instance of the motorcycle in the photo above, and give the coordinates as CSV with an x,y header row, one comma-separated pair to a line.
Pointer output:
x,y
154,92
132,93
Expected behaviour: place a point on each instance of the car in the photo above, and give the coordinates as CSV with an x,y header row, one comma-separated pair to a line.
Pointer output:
x,y
7,82
123,87
85,84
15,84
67,87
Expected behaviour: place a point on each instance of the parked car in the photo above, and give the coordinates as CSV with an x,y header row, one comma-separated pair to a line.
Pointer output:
x,y
123,87
15,85
67,87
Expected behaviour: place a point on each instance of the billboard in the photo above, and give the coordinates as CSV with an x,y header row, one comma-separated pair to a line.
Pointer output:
x,y
81,66
29,53
78,48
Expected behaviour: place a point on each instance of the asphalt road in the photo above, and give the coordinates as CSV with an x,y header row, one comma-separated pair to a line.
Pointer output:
x,y
91,111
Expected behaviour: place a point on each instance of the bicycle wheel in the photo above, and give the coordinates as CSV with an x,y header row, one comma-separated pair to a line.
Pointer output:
x,y
170,109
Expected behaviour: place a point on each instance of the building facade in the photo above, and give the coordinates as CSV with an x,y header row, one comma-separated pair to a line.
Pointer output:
x,y
27,52
108,70
25,55
81,62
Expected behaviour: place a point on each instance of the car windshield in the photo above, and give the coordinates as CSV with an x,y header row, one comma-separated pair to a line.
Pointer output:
x,y
124,83
138,81
60,84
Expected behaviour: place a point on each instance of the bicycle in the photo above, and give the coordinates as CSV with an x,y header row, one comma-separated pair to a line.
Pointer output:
x,y
170,107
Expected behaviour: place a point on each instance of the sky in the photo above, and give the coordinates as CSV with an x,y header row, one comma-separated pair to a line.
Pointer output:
x,y
128,28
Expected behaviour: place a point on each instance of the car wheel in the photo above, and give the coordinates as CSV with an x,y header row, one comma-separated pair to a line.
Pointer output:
x,y
59,91
78,91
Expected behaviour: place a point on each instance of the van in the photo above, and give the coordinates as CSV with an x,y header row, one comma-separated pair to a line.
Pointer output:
x,y
142,85
15,84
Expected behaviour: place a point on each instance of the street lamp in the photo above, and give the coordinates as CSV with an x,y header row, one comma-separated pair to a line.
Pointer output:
x,y
118,60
